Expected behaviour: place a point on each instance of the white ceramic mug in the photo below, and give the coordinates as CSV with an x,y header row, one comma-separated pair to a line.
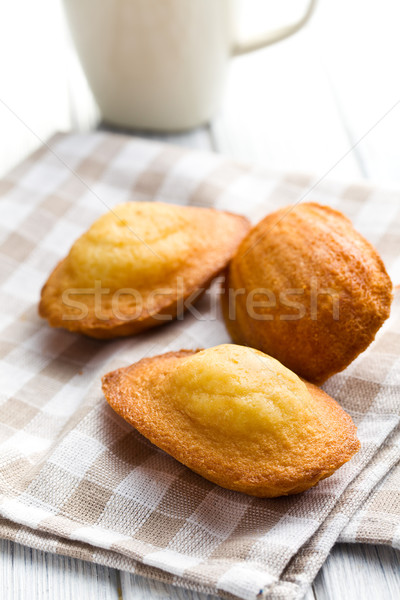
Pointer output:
x,y
159,64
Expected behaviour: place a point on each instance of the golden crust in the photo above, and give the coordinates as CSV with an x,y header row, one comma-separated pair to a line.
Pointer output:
x,y
311,260
178,252
307,445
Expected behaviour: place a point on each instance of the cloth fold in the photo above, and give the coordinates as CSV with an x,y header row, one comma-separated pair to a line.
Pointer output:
x,y
77,480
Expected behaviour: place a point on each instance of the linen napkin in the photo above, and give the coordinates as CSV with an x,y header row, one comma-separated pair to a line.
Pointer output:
x,y
77,480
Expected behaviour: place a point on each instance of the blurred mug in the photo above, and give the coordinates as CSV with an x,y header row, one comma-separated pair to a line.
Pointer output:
x,y
160,64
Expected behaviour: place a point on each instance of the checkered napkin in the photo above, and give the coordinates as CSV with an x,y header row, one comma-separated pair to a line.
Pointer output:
x,y
77,480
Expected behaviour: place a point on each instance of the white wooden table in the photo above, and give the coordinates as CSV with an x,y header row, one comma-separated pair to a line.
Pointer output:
x,y
326,101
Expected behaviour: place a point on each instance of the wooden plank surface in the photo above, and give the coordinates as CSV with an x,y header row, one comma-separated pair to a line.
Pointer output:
x,y
357,43
27,574
352,572
279,110
359,572
135,587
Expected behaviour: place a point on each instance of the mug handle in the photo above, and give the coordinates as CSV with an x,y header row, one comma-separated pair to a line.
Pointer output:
x,y
271,37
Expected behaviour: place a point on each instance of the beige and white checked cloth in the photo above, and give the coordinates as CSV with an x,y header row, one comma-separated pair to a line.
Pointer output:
x,y
75,479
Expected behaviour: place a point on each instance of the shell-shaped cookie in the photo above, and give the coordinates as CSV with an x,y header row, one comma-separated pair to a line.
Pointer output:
x,y
308,289
137,265
235,416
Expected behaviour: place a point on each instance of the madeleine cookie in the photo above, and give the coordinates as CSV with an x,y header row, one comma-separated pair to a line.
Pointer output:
x,y
136,265
235,416
306,288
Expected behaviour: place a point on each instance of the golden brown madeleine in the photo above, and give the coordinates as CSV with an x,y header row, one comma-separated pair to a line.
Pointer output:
x,y
136,265
235,416
306,288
